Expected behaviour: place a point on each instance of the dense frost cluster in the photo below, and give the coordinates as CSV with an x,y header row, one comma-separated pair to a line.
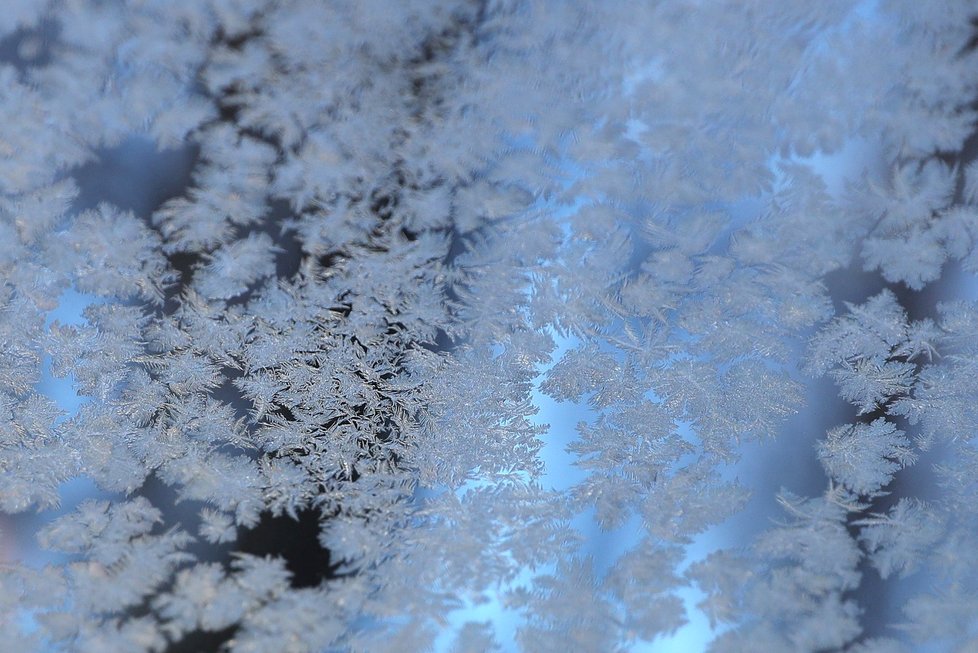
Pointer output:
x,y
397,211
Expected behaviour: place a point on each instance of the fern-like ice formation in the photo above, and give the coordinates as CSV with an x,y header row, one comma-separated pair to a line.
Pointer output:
x,y
393,210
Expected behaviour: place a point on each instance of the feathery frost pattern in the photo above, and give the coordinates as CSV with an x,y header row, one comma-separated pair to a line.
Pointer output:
x,y
310,379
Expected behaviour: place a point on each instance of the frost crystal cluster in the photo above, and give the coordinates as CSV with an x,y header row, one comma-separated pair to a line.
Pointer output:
x,y
309,377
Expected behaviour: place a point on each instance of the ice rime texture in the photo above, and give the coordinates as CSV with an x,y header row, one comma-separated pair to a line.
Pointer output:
x,y
459,181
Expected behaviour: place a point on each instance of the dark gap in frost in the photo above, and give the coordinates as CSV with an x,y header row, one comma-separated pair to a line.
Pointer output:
x,y
200,641
135,176
332,259
443,342
869,596
289,260
854,285
972,43
384,201
183,264
228,393
456,247
851,285
918,304
184,514
28,48
294,540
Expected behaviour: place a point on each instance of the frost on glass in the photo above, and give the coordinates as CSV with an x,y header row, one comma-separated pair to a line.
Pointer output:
x,y
310,379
